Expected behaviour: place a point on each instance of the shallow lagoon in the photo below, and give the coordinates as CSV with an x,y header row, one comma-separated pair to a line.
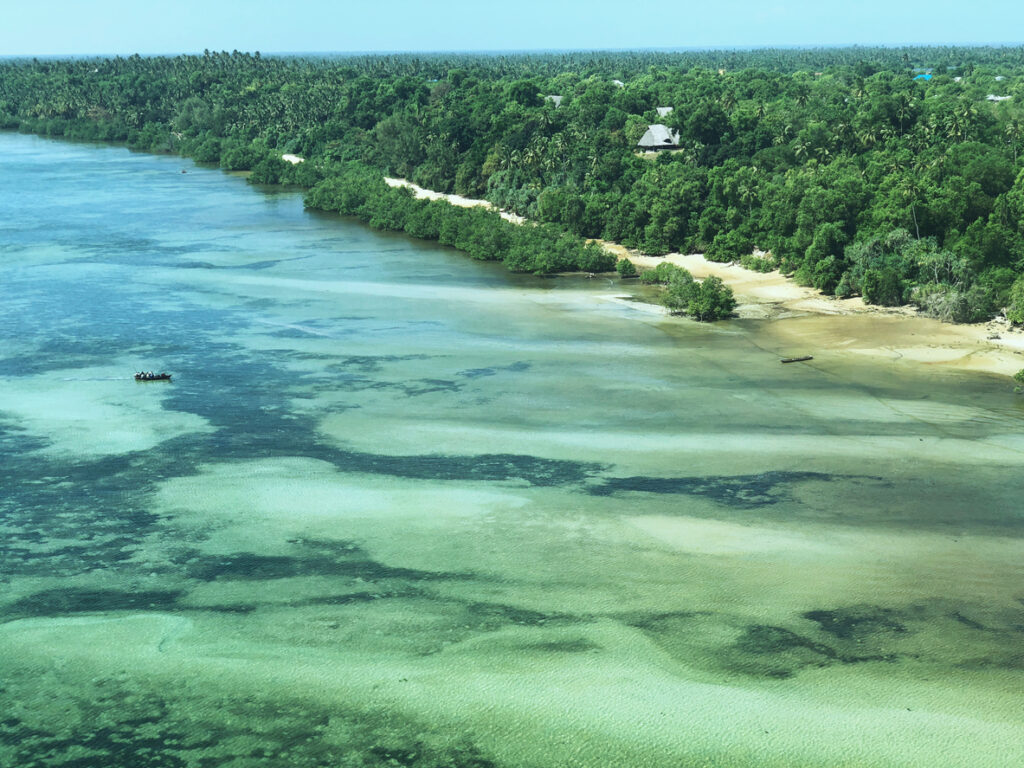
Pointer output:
x,y
398,507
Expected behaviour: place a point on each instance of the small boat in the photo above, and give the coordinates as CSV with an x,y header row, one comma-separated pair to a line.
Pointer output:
x,y
150,376
797,359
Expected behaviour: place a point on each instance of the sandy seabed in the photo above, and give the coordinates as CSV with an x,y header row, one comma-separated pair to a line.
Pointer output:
x,y
397,509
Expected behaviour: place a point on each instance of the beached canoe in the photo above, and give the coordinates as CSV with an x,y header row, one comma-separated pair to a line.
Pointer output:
x,y
143,376
796,359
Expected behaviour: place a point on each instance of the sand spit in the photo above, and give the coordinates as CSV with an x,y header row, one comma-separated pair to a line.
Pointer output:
x,y
893,333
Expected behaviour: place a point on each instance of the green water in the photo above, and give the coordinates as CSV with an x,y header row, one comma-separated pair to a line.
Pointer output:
x,y
401,508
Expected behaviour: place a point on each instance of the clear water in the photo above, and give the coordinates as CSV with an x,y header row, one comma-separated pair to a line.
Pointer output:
x,y
401,508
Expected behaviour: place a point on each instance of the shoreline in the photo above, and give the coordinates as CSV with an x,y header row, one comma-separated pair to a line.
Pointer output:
x,y
806,319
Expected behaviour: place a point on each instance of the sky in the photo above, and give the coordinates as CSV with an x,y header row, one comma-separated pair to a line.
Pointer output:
x,y
124,27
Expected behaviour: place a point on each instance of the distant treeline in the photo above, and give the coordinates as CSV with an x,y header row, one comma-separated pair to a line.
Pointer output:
x,y
894,174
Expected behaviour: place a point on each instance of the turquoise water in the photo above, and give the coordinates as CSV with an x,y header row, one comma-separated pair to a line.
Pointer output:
x,y
401,508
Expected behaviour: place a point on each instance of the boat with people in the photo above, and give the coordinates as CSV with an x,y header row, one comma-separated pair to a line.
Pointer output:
x,y
151,376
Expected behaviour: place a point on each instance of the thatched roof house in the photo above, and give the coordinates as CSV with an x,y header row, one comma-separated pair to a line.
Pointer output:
x,y
659,137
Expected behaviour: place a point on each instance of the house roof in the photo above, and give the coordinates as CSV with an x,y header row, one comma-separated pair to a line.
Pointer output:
x,y
662,111
659,136
556,100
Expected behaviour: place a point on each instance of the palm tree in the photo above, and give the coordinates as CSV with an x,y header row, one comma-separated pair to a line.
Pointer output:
x,y
866,138
841,135
904,110
1014,132
747,193
802,96
887,132
910,189
961,120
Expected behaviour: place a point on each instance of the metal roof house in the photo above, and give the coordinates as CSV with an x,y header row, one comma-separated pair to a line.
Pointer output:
x,y
663,111
659,137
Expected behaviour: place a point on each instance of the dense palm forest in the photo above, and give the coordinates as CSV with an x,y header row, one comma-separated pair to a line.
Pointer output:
x,y
894,174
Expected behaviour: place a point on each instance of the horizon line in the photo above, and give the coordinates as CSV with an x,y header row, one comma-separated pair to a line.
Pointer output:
x,y
525,51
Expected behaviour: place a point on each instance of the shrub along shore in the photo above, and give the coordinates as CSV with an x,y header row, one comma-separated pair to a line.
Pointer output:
x,y
357,190
483,234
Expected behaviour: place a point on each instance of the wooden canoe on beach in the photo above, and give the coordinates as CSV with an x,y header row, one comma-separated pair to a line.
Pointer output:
x,y
797,359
